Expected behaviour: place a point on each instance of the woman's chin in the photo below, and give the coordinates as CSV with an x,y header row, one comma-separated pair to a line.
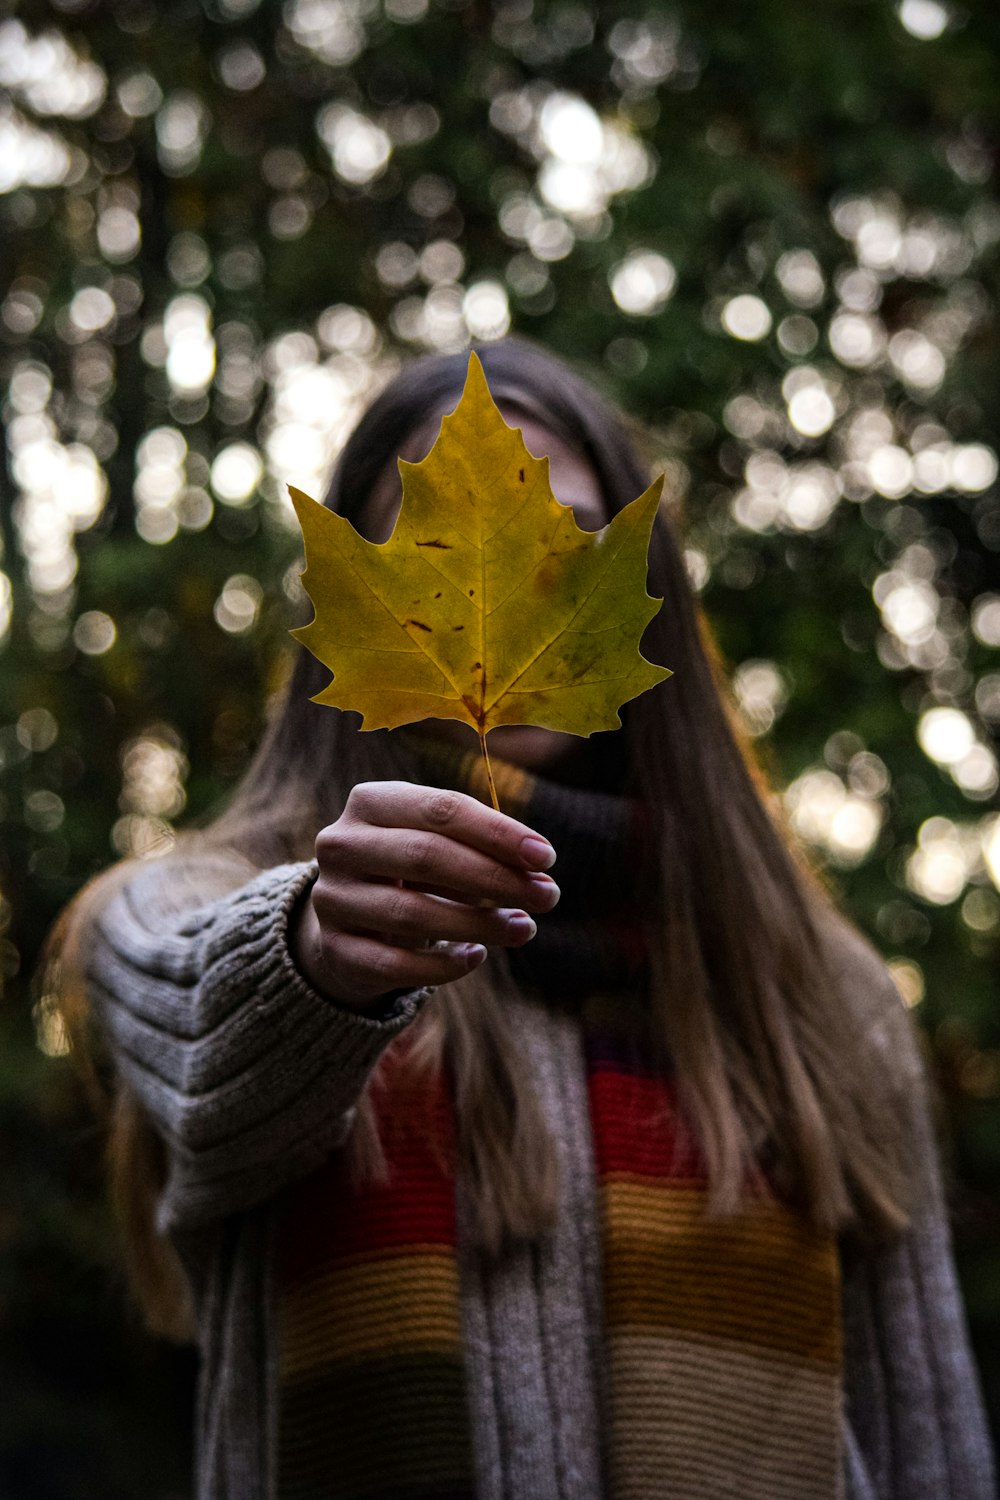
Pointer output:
x,y
521,744
525,745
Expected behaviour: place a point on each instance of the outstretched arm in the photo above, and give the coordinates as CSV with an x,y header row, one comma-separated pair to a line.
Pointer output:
x,y
249,1060
248,1073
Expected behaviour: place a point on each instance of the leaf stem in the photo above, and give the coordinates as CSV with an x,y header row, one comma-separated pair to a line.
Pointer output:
x,y
489,769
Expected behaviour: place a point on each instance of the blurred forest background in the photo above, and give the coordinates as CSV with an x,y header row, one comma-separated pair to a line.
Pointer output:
x,y
770,230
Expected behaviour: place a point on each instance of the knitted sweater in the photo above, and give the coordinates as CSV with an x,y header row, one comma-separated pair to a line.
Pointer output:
x,y
250,1077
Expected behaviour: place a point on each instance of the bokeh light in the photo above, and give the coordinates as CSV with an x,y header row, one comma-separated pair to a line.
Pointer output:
x,y
359,149
909,979
761,692
48,74
486,310
30,157
925,19
831,817
94,633
153,770
182,125
236,473
947,853
747,317
190,347
642,283
238,604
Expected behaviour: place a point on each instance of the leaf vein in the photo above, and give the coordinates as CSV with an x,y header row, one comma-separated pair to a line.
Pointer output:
x,y
379,600
563,629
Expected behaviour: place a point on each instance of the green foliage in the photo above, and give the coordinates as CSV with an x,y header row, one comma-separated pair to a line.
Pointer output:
x,y
222,224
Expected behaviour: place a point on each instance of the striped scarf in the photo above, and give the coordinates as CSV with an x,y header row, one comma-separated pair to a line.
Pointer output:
x,y
722,1338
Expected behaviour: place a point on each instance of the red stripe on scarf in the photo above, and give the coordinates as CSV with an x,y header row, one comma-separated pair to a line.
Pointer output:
x,y
637,1128
415,1208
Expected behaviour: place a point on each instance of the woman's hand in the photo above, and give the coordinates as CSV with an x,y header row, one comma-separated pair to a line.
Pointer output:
x,y
405,867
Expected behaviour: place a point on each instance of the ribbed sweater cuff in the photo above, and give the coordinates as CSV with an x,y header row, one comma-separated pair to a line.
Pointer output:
x,y
393,1011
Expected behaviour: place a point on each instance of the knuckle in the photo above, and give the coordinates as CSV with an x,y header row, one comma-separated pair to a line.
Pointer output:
x,y
498,839
398,910
332,950
334,960
441,808
384,966
498,880
419,855
349,964
360,799
331,843
324,900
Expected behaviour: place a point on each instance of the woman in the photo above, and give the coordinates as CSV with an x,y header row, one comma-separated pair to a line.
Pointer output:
x,y
646,1204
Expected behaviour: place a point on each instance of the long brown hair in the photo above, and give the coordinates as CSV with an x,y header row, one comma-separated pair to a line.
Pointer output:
x,y
769,1055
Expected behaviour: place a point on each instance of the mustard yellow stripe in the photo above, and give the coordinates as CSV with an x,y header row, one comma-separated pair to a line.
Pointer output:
x,y
393,1305
764,1278
646,1205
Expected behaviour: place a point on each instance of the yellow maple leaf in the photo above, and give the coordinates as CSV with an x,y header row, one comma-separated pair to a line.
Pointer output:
x,y
488,603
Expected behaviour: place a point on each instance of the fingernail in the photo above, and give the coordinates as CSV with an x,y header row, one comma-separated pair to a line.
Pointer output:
x,y
474,954
519,924
544,883
537,854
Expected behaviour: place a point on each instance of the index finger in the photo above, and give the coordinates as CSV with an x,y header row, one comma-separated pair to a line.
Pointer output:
x,y
400,804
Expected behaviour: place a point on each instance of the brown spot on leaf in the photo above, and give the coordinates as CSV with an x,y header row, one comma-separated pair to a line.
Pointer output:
x,y
546,575
444,546
437,596
458,627
418,625
520,475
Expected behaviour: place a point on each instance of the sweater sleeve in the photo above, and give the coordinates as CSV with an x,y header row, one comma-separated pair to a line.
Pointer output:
x,y
249,1075
916,1423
